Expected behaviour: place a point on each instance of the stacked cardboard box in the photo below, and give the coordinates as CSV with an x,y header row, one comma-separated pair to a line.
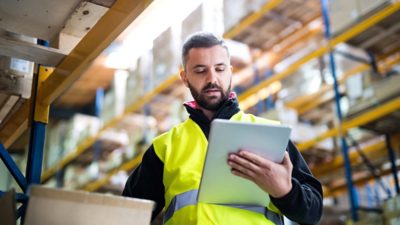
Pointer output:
x,y
391,211
344,13
237,10
54,206
166,52
207,17
114,99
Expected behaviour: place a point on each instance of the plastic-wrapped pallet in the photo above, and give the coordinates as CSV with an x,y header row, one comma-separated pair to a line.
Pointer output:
x,y
134,85
391,211
236,10
79,129
207,17
344,13
166,52
54,143
114,99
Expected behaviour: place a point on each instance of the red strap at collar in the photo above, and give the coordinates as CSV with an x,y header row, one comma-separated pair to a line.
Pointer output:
x,y
193,104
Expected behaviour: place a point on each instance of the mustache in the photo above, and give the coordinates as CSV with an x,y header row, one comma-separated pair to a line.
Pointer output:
x,y
211,86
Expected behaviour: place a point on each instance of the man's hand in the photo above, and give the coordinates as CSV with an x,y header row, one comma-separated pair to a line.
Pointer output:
x,y
273,178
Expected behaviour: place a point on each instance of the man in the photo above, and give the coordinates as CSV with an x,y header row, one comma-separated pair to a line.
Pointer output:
x,y
171,168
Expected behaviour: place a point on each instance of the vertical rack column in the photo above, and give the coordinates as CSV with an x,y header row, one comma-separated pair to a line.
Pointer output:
x,y
345,148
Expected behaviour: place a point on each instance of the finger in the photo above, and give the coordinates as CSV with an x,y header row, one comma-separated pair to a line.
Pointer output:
x,y
242,169
240,174
256,159
238,159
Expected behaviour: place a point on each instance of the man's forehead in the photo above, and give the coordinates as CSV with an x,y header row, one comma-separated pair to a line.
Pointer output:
x,y
214,52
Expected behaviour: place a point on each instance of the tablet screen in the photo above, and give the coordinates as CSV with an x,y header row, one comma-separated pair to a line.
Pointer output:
x,y
218,185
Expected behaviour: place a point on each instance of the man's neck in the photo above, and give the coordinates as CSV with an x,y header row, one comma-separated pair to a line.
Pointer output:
x,y
208,113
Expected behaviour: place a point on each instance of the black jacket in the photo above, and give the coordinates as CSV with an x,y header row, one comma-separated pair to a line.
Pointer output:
x,y
303,204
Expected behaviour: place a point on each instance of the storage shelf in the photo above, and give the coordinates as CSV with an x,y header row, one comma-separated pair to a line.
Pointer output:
x,y
305,103
117,18
364,118
345,36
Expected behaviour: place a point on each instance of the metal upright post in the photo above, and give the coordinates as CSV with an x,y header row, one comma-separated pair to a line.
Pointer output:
x,y
345,148
37,134
392,157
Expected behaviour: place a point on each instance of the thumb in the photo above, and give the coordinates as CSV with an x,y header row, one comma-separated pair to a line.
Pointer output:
x,y
286,161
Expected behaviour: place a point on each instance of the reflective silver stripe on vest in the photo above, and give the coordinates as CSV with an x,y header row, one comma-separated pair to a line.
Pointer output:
x,y
190,198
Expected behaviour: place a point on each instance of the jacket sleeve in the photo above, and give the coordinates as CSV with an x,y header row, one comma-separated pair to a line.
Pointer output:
x,y
303,204
146,181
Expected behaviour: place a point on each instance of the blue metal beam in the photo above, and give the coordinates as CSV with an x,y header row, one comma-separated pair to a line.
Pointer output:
x,y
20,197
21,212
35,154
13,168
345,149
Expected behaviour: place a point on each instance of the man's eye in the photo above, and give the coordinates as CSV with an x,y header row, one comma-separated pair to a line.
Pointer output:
x,y
199,71
220,69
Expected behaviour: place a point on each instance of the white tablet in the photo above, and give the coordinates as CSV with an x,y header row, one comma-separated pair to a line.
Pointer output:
x,y
218,185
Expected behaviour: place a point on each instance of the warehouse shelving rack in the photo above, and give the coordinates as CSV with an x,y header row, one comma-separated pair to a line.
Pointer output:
x,y
51,83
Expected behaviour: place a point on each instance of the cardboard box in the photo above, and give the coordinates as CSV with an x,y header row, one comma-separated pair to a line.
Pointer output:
x,y
7,208
394,220
166,55
391,207
366,6
206,17
59,207
343,13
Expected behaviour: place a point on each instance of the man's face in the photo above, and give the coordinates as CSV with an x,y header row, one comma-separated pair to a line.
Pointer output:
x,y
208,75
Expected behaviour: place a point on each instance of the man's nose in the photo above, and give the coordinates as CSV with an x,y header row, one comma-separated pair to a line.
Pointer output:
x,y
211,77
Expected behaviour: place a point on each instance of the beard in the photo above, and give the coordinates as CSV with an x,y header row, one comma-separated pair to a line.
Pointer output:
x,y
210,103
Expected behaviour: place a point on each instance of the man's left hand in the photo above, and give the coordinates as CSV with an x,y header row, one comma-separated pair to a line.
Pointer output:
x,y
273,178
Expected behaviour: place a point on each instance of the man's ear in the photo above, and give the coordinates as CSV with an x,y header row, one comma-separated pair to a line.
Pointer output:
x,y
183,77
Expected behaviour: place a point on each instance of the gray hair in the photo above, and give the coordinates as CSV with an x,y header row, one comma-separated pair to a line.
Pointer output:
x,y
200,40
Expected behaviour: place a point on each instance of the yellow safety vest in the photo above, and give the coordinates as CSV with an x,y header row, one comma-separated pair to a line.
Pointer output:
x,y
183,150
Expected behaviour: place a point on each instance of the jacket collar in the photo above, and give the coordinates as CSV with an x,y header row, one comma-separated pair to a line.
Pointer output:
x,y
226,111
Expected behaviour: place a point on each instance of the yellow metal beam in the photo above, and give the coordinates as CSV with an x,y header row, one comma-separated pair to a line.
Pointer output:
x,y
42,111
353,31
375,150
106,30
380,151
365,24
15,126
364,118
317,101
360,181
117,18
237,29
128,166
